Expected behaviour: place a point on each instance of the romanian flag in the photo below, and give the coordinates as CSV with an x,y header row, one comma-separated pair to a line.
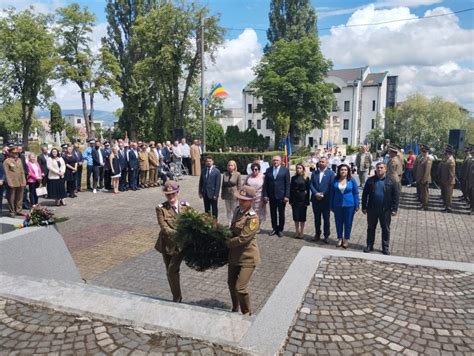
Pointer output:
x,y
286,148
219,91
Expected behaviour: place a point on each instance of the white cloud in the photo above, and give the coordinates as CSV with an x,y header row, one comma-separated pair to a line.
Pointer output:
x,y
426,54
234,63
46,6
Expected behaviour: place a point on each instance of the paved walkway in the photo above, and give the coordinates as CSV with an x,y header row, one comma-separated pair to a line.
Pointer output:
x,y
355,307
111,239
28,330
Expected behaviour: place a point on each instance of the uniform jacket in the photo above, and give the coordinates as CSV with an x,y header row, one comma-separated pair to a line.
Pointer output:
x,y
367,164
323,187
278,188
447,171
153,159
349,198
166,216
210,186
143,161
56,170
424,170
391,195
395,169
243,248
230,184
107,152
14,172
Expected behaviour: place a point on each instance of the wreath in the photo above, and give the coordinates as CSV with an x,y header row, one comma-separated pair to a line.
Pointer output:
x,y
202,240
38,216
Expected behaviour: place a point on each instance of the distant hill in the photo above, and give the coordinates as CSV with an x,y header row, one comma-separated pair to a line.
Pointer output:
x,y
107,117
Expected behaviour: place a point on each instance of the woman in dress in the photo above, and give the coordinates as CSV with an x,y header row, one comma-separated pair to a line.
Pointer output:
x,y
299,198
231,183
71,170
344,203
115,168
255,180
34,177
56,171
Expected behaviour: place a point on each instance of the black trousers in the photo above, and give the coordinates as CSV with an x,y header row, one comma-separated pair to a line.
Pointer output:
x,y
384,217
70,186
210,206
123,180
95,176
321,209
78,178
90,174
100,184
33,196
108,179
132,178
187,163
277,214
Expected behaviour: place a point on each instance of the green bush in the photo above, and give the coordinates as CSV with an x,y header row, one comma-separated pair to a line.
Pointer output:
x,y
350,149
241,158
303,151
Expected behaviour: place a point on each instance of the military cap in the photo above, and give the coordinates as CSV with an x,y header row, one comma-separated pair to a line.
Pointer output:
x,y
64,146
246,193
393,148
91,141
170,187
424,147
106,142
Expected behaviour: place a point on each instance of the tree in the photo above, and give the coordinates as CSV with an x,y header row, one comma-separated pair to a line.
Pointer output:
x,y
72,132
10,119
290,20
423,120
56,121
290,80
215,138
233,136
92,72
376,135
27,62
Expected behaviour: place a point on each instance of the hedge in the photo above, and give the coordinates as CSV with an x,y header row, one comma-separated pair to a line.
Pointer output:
x,y
241,158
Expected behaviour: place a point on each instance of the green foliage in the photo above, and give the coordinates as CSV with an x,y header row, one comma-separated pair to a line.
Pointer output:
x,y
376,136
303,151
72,133
248,139
241,158
56,120
350,149
215,138
291,20
469,127
27,61
423,120
233,137
290,80
10,119
202,240
282,127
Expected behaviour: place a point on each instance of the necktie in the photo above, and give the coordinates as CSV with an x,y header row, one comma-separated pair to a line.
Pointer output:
x,y
208,172
275,173
175,208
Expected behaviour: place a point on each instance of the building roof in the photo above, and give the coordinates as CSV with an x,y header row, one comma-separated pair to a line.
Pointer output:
x,y
348,75
374,79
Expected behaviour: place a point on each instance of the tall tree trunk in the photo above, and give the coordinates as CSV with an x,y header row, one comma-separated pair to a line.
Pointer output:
x,y
84,112
91,115
26,116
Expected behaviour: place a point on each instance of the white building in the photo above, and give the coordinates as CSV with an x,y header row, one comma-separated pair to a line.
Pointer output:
x,y
360,96
232,117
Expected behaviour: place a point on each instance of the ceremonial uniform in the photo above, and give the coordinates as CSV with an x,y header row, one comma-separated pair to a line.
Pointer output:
x,y
447,180
172,256
244,254
395,168
153,161
424,179
16,181
144,168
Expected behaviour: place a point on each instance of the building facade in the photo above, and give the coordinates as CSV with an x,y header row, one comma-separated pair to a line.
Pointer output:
x,y
359,97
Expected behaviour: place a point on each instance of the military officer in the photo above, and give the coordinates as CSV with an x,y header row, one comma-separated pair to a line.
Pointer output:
x,y
16,181
447,177
424,176
395,166
144,165
244,254
167,213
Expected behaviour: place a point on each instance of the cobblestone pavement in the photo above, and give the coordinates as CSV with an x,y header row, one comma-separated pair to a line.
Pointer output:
x,y
358,307
111,239
26,330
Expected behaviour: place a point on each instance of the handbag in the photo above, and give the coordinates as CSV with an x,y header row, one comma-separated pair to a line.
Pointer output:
x,y
41,191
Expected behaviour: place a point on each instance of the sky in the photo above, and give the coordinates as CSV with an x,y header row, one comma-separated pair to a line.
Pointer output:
x,y
431,55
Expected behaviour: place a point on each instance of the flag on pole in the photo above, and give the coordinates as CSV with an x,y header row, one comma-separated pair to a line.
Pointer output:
x,y
219,91
329,147
286,148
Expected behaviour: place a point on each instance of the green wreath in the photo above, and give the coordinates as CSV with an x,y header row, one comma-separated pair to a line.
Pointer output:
x,y
202,240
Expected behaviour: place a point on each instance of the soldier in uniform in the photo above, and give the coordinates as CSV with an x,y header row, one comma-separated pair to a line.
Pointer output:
x,y
465,173
153,163
244,254
395,166
167,213
447,177
144,165
16,181
424,176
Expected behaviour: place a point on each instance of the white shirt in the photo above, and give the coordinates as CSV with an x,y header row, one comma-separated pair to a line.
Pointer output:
x,y
342,187
185,150
321,174
177,152
101,159
275,171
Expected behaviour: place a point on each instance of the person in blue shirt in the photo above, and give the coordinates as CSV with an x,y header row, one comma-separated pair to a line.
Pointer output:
x,y
344,203
87,156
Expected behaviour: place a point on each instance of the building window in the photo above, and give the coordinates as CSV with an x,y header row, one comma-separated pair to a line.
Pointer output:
x,y
373,105
249,124
79,121
346,124
345,140
320,140
373,124
268,124
334,106
336,90
249,108
259,124
310,141
347,105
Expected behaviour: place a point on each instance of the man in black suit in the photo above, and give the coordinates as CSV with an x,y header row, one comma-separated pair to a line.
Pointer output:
x,y
43,163
209,186
122,155
98,163
133,165
321,182
107,169
276,190
79,159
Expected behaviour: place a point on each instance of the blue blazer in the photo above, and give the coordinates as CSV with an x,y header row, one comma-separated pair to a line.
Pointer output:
x,y
349,198
278,188
323,187
209,187
132,158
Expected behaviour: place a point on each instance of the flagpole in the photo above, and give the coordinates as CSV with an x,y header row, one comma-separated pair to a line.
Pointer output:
x,y
203,106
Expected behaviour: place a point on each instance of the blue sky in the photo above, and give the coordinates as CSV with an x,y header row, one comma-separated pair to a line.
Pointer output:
x,y
434,56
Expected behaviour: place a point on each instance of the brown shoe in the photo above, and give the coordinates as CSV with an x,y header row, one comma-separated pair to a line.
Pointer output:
x,y
345,243
339,243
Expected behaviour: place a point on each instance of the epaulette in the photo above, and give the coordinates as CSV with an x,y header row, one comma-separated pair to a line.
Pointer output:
x,y
160,205
184,203
251,212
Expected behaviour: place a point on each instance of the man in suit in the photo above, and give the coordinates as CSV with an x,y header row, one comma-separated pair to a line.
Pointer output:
x,y
43,163
98,163
122,155
209,186
380,202
276,190
79,159
133,165
321,182
447,177
107,168
424,174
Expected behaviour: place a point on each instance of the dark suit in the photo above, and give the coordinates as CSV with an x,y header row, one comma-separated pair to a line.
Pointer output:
x,y
122,156
80,160
107,169
43,163
132,159
276,189
383,213
321,207
98,169
209,187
